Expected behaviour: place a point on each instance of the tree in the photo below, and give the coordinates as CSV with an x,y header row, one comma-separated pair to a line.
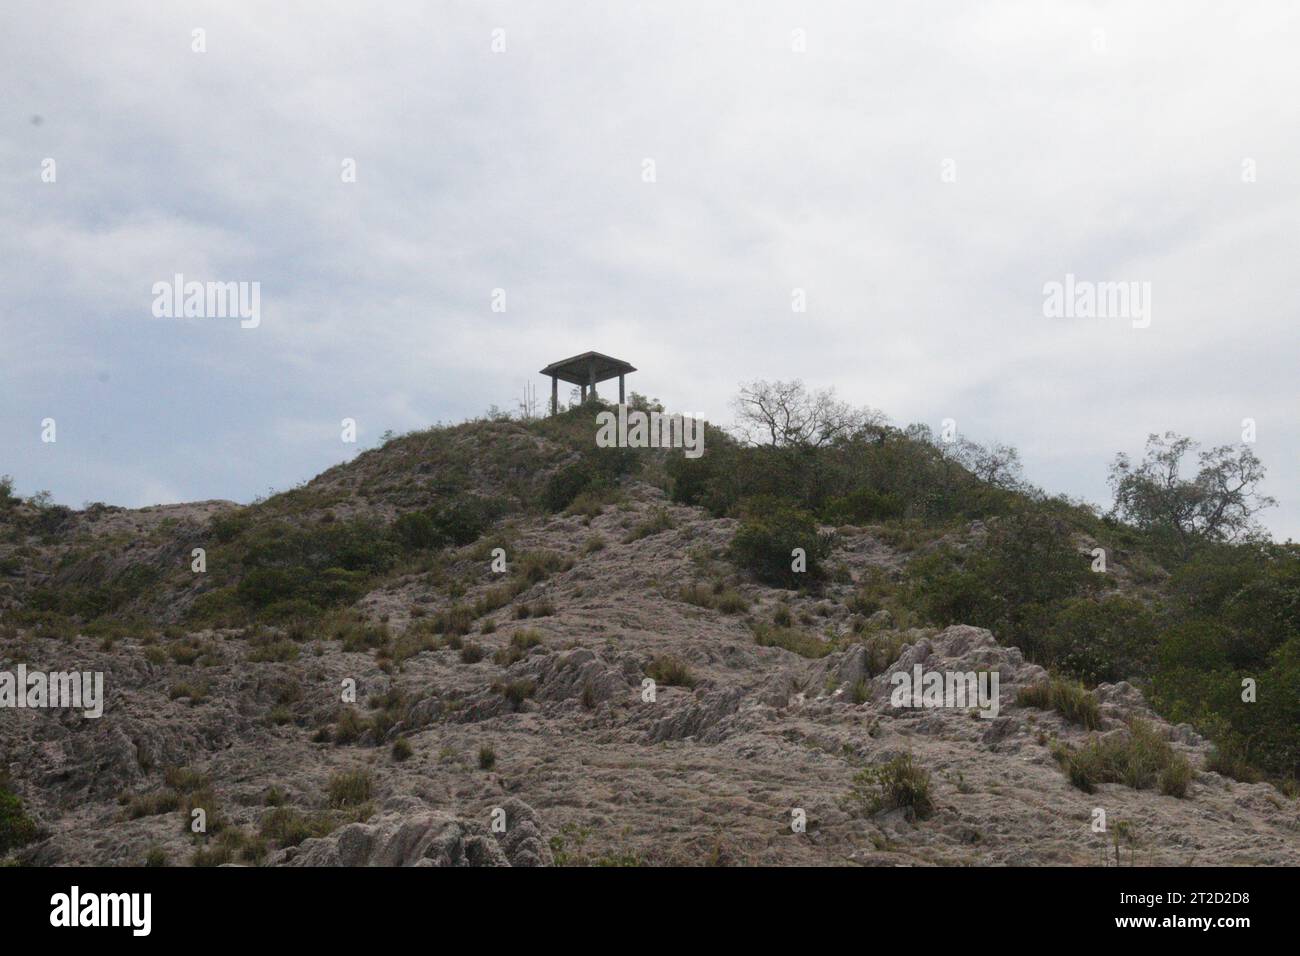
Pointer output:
x,y
1218,504
786,414
997,464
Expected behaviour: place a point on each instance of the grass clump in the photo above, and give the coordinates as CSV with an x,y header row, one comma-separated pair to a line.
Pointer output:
x,y
348,727
455,620
195,693
898,784
719,597
282,651
536,566
285,826
1068,698
350,789
517,691
670,672
487,757
1140,759
521,642
796,641
659,521
152,804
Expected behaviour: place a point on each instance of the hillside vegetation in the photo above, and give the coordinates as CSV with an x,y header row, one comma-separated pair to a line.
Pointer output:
x,y
1193,604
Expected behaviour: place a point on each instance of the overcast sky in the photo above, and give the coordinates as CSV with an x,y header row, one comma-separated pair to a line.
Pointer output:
x,y
920,170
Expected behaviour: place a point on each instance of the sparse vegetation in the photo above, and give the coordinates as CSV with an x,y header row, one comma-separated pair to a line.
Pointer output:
x,y
658,522
286,826
1140,759
1188,610
897,784
1068,698
517,691
520,643
670,672
715,597
350,788
156,857
799,642
17,829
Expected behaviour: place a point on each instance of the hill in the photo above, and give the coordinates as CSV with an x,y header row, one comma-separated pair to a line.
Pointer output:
x,y
500,592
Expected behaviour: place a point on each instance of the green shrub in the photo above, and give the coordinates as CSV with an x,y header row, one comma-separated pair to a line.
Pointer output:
x,y
17,829
565,485
416,532
1103,640
487,757
1013,585
324,565
863,506
463,520
767,537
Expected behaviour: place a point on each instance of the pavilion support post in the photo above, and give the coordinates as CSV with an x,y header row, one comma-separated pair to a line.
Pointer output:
x,y
621,400
584,394
555,395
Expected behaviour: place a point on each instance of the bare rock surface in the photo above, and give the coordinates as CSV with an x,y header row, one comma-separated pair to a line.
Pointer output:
x,y
580,765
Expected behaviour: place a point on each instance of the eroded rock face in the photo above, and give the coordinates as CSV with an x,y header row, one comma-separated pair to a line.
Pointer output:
x,y
411,836
582,768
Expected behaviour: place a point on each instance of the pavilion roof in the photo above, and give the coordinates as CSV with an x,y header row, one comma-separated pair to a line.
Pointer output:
x,y
587,367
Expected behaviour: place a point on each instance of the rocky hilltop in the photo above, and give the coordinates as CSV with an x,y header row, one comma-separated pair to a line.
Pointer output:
x,y
502,713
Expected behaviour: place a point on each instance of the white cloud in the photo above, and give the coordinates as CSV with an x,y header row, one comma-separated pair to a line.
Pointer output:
x,y
776,170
